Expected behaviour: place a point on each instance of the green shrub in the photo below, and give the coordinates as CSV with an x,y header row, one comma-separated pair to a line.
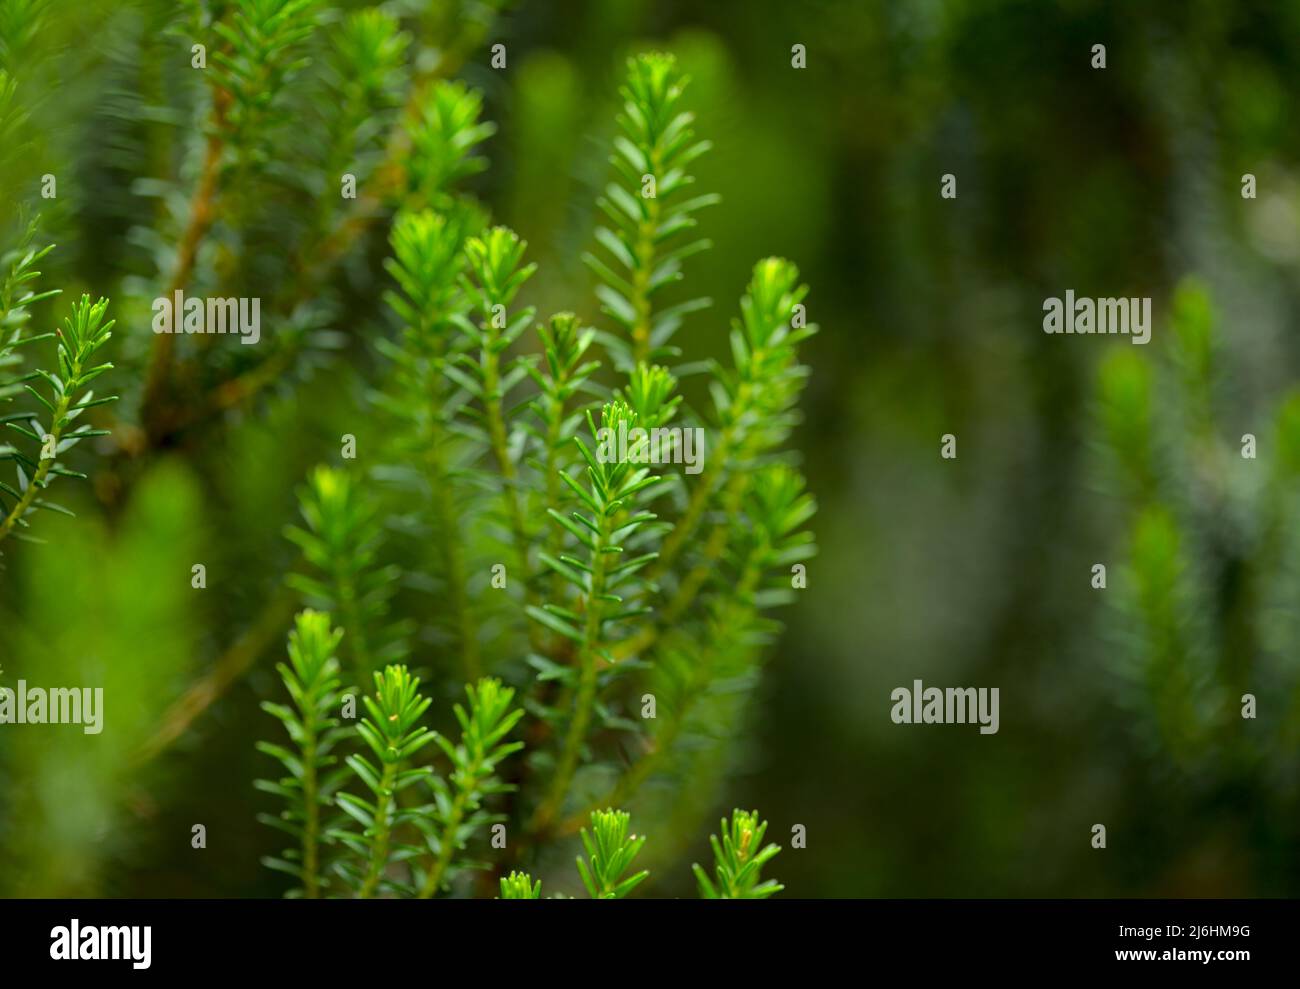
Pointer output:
x,y
606,615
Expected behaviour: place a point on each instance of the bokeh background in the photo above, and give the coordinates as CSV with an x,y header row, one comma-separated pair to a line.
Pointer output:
x,y
1117,181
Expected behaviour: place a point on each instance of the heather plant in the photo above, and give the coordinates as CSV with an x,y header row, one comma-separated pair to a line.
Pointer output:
x,y
739,859
521,433
1199,620
604,612
56,391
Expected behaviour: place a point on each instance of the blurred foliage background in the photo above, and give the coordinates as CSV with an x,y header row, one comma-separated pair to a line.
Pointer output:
x,y
1117,182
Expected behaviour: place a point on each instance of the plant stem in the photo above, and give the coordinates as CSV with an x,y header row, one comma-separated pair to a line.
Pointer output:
x,y
554,539
311,826
157,376
645,257
585,698
447,845
457,578
353,627
434,879
642,769
690,520
732,496
316,259
37,482
383,831
676,539
695,579
232,664
510,477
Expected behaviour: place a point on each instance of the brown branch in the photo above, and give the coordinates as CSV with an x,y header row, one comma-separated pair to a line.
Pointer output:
x,y
232,665
155,411
314,263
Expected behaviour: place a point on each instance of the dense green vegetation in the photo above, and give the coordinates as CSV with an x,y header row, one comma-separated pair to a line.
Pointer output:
x,y
377,486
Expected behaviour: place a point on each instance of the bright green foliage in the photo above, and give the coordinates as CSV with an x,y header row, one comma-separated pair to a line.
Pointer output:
x,y
355,102
520,886
312,679
393,735
17,297
384,862
738,861
457,812
603,603
66,396
603,579
650,212
650,394
495,277
343,542
261,53
20,21
563,377
754,401
610,852
363,77
777,508
741,565
701,670
394,738
426,263
564,343
610,499
492,521
444,135
13,119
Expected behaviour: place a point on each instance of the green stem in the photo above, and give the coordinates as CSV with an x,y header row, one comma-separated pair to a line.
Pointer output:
x,y
37,482
457,578
383,832
695,578
645,257
664,739
354,631
703,492
585,697
447,846
155,408
311,825
554,539
732,497
695,508
510,477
